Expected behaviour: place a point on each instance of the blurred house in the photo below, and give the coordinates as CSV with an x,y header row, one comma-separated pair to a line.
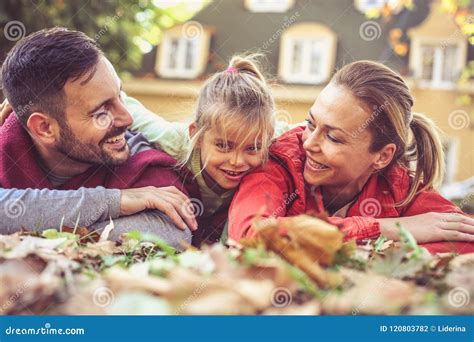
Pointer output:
x,y
304,41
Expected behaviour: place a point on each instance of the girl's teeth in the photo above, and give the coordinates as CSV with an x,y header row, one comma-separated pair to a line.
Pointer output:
x,y
232,173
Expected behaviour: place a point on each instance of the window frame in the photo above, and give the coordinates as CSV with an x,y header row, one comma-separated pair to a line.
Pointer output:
x,y
201,54
307,34
438,44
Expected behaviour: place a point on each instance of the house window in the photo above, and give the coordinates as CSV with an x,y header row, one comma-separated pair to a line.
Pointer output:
x,y
436,63
268,6
307,54
180,56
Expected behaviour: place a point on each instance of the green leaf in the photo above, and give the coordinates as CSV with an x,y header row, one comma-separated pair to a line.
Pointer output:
x,y
148,237
54,234
407,240
379,243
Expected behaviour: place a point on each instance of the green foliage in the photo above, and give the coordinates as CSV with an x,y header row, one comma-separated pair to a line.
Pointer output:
x,y
124,29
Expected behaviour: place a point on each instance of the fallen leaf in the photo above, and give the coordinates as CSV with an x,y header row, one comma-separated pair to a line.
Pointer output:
x,y
106,232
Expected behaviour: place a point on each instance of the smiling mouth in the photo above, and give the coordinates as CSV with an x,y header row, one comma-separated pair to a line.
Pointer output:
x,y
315,165
233,173
117,142
115,139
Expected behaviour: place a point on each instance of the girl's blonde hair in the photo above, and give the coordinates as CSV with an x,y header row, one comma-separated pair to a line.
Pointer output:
x,y
416,136
240,96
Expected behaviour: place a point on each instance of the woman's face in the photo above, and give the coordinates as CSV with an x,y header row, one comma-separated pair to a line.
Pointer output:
x,y
337,141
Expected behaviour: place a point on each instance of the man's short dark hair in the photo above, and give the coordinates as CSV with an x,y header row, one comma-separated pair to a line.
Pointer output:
x,y
37,68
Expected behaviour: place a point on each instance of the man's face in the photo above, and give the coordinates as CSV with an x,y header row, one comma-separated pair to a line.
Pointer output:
x,y
96,119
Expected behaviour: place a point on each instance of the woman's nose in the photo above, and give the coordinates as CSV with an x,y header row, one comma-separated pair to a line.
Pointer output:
x,y
312,143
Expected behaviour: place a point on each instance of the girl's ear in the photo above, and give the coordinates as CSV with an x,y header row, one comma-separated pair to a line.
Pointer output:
x,y
192,131
385,156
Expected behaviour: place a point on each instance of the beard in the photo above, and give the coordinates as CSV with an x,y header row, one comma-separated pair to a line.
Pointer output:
x,y
76,150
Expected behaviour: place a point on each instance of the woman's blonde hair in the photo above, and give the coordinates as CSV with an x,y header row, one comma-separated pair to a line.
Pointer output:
x,y
239,94
416,136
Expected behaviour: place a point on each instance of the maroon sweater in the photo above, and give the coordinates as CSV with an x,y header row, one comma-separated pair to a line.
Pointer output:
x,y
19,166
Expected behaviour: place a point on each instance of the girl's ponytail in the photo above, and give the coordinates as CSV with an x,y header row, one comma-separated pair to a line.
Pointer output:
x,y
247,64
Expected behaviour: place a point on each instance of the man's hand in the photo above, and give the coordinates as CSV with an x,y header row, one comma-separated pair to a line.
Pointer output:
x,y
5,110
169,200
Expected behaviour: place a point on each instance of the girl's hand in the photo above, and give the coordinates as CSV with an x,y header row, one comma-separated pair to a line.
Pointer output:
x,y
5,111
169,200
431,227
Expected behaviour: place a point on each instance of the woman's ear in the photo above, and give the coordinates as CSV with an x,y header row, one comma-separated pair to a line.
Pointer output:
x,y
43,128
385,156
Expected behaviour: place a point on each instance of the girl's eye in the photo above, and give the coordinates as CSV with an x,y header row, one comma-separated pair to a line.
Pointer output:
x,y
254,149
222,146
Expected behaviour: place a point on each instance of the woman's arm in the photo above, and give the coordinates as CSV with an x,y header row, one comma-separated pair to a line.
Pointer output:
x,y
260,194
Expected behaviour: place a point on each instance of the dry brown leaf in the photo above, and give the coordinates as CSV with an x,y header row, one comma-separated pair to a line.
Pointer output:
x,y
119,279
373,294
306,242
26,287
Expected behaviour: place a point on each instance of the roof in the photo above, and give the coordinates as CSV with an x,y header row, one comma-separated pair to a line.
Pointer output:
x,y
238,30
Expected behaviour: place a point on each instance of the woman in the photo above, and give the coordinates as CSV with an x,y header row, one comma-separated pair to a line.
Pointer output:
x,y
353,160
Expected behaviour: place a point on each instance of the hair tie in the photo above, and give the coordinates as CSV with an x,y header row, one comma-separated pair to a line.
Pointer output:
x,y
231,69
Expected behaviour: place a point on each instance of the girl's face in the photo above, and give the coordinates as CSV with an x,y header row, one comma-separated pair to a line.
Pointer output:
x,y
337,141
227,159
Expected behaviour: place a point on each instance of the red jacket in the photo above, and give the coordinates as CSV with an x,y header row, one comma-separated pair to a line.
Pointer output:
x,y
278,189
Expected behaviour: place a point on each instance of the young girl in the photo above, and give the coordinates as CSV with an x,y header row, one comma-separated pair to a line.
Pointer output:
x,y
353,160
229,137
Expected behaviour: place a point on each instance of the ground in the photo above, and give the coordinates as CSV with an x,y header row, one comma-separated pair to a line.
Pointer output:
x,y
74,271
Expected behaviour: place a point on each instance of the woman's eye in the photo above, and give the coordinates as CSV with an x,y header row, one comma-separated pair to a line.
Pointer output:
x,y
309,124
330,137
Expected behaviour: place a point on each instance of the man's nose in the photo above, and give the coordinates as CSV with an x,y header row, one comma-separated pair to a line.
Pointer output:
x,y
122,117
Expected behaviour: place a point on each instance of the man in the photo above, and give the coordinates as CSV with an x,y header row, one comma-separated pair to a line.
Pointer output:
x,y
70,133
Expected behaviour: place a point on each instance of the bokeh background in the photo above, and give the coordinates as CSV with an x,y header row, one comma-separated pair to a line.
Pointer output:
x,y
165,50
